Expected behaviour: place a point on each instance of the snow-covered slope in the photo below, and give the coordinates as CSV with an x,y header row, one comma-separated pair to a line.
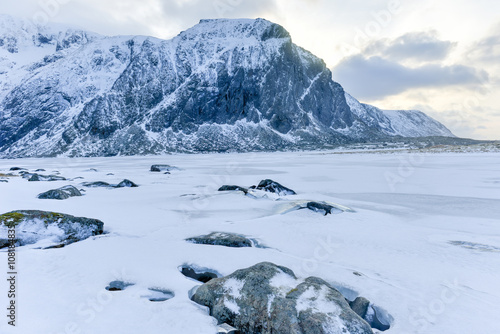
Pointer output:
x,y
405,123
221,85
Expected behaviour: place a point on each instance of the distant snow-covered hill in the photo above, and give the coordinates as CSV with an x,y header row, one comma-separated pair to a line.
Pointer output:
x,y
221,85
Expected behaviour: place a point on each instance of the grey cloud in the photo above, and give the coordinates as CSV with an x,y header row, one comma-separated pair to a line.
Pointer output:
x,y
420,46
487,49
374,78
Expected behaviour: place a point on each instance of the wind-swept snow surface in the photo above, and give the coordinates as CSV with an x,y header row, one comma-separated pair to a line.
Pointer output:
x,y
421,242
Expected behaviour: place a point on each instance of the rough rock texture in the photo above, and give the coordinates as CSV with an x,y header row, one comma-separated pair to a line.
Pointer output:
x,y
61,193
101,184
196,274
118,286
267,298
96,184
233,188
360,306
274,187
126,184
33,226
221,85
221,239
162,168
38,177
320,207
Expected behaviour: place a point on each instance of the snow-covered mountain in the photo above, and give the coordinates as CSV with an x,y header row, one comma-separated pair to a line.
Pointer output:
x,y
221,85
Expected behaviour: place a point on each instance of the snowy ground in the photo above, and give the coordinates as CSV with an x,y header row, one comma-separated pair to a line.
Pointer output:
x,y
425,237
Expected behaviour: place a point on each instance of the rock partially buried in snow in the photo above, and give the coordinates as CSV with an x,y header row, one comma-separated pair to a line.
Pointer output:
x,y
226,329
274,187
162,168
321,208
17,168
126,184
200,275
221,239
267,298
160,295
38,177
33,226
101,184
233,188
118,286
60,193
97,184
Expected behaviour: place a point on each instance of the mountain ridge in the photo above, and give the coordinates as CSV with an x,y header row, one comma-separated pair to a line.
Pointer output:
x,y
221,85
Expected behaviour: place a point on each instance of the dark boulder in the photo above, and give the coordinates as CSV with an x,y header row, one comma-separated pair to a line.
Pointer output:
x,y
101,184
274,187
233,188
160,295
321,207
360,306
162,168
118,286
97,184
61,193
221,239
126,184
199,275
17,168
39,177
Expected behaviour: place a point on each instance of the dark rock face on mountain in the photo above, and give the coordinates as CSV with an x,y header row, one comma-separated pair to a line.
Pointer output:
x,y
33,226
61,193
221,85
267,298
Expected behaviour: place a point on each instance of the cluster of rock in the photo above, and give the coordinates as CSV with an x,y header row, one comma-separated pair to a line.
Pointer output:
x,y
271,186
267,298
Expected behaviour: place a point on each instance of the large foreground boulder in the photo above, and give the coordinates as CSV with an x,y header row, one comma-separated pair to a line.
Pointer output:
x,y
60,193
267,298
32,226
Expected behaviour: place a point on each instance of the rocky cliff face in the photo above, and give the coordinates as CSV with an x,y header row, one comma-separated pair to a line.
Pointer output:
x,y
221,85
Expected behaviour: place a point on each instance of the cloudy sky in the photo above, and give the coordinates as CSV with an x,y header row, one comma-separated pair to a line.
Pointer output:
x,y
441,57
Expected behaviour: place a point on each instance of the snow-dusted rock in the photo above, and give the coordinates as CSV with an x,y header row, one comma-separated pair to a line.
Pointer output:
x,y
101,184
274,187
221,239
233,188
33,226
60,193
267,298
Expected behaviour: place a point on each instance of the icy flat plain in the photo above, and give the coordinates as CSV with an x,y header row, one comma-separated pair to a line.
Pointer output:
x,y
423,243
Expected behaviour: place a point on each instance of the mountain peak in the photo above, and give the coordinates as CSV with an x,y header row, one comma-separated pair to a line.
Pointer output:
x,y
259,29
